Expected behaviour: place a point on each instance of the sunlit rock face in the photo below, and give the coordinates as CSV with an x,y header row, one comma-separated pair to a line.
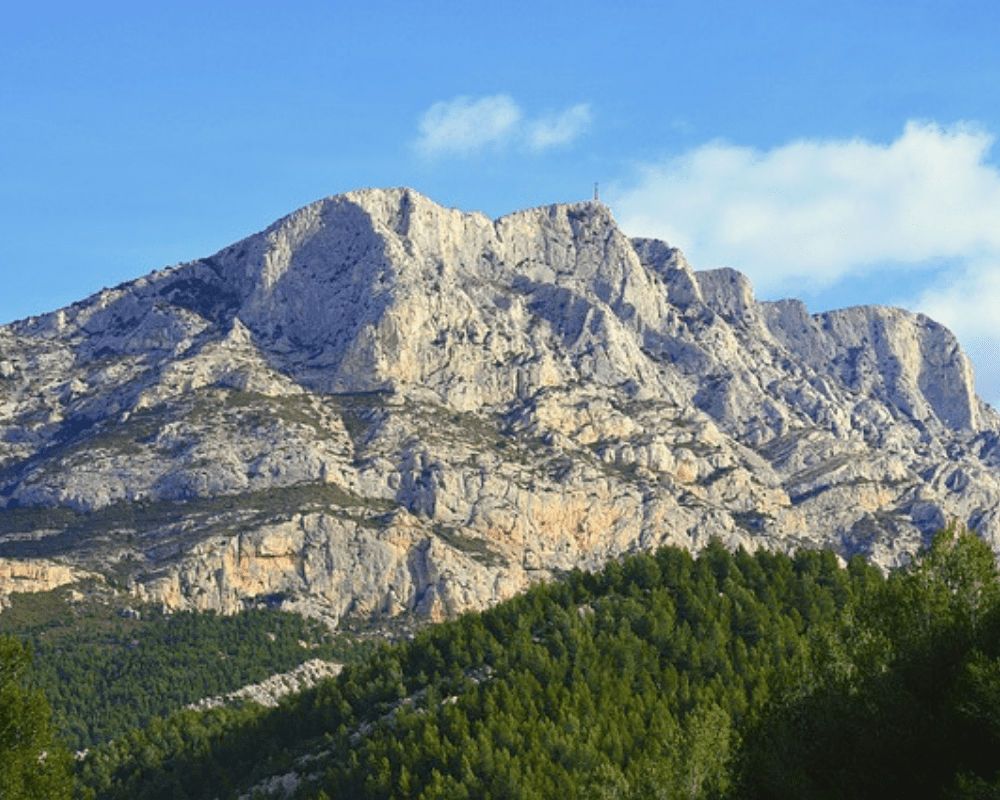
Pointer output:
x,y
380,405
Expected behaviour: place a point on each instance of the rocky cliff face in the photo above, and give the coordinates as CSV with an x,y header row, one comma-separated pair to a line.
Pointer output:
x,y
378,405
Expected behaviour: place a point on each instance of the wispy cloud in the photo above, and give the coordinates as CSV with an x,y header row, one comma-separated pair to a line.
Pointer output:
x,y
558,130
465,126
800,217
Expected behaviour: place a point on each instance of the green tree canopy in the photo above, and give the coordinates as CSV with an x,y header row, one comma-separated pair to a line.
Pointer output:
x,y
32,765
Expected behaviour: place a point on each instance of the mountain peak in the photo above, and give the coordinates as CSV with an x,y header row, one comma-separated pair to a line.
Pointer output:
x,y
376,393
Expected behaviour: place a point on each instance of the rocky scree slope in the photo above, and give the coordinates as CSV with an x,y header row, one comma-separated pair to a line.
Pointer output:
x,y
381,405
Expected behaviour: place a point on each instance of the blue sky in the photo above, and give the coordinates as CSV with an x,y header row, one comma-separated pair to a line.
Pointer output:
x,y
843,153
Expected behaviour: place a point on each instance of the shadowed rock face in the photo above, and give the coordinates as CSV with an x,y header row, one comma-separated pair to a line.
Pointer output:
x,y
378,404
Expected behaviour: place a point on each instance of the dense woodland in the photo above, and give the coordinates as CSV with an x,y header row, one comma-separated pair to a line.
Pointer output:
x,y
725,675
101,682
104,670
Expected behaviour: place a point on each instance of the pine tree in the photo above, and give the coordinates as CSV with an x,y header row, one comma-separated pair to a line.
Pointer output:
x,y
32,765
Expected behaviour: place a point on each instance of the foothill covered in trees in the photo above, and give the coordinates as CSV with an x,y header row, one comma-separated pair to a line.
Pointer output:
x,y
663,675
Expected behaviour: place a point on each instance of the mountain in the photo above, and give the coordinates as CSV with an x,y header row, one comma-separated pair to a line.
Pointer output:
x,y
380,405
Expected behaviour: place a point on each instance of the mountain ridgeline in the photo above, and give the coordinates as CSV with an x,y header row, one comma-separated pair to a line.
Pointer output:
x,y
379,405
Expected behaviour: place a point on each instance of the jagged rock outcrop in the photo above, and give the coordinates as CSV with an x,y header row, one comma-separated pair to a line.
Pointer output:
x,y
378,404
35,575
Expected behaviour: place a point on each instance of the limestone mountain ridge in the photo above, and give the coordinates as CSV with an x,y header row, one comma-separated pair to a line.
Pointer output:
x,y
380,405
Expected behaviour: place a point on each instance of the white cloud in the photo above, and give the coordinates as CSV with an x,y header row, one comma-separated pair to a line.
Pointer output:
x,y
558,130
464,126
799,217
822,210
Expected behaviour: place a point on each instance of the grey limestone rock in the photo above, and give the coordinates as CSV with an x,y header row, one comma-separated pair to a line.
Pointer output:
x,y
381,405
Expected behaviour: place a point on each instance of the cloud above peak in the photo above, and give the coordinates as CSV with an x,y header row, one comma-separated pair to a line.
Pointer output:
x,y
465,126
820,210
559,129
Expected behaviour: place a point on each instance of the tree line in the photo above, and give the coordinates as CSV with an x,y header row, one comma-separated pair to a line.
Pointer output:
x,y
663,675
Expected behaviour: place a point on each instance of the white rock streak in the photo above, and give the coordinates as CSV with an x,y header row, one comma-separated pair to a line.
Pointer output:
x,y
268,692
